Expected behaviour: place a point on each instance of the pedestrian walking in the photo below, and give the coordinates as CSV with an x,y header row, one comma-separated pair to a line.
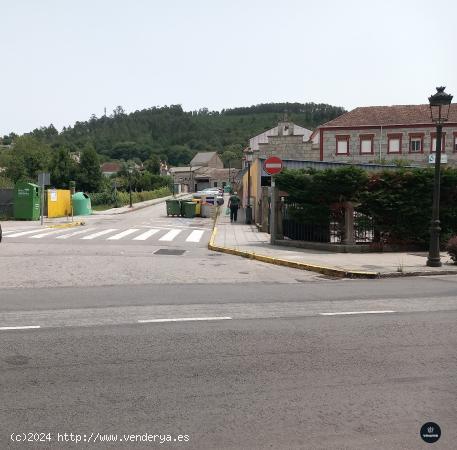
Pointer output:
x,y
234,204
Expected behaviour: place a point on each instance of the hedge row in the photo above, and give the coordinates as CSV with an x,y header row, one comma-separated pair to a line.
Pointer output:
x,y
399,201
123,198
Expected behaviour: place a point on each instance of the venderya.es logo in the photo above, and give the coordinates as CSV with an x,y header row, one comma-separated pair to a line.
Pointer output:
x,y
430,432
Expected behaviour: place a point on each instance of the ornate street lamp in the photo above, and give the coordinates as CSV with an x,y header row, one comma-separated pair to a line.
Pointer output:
x,y
249,154
440,104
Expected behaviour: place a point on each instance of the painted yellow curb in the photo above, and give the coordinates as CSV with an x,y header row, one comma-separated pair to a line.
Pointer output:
x,y
67,225
330,271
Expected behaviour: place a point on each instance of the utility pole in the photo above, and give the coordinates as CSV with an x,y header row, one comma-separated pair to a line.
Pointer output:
x,y
42,199
273,212
130,186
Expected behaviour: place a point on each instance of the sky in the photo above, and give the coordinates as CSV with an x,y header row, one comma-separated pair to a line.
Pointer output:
x,y
63,60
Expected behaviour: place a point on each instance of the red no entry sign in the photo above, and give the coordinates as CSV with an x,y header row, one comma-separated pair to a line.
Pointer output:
x,y
272,165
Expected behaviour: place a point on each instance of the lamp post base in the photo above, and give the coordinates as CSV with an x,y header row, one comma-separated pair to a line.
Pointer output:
x,y
434,262
434,257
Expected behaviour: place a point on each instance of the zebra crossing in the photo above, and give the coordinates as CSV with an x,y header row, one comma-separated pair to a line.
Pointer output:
x,y
158,234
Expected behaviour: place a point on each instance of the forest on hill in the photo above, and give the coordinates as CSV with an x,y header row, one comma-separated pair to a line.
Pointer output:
x,y
171,134
143,139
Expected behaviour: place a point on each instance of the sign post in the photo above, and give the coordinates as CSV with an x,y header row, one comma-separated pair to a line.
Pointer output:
x,y
273,212
43,179
272,166
72,186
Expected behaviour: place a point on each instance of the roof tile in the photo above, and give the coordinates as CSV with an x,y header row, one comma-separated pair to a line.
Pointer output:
x,y
388,115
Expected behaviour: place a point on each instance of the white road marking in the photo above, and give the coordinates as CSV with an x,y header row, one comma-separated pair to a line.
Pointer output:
x,y
20,328
195,236
146,234
122,234
10,231
42,235
183,319
99,233
23,233
170,235
355,312
66,236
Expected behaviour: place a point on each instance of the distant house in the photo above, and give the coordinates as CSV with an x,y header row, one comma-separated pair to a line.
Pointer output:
x,y
164,170
76,157
110,168
386,133
205,170
207,159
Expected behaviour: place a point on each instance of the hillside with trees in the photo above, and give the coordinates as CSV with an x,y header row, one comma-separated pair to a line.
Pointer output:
x,y
146,137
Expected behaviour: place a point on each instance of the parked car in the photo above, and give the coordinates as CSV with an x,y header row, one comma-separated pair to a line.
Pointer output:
x,y
219,191
219,198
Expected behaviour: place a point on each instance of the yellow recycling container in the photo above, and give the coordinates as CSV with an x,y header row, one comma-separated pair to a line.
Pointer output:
x,y
59,203
198,206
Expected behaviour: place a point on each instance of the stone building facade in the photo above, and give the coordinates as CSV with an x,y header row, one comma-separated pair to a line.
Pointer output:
x,y
386,134
287,140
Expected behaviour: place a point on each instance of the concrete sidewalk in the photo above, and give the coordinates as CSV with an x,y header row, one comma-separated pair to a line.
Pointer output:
x,y
58,222
244,240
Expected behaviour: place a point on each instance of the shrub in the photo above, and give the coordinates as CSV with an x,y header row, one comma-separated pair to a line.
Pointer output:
x,y
123,198
451,248
6,183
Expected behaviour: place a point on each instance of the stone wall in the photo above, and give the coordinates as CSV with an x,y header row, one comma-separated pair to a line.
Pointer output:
x,y
289,148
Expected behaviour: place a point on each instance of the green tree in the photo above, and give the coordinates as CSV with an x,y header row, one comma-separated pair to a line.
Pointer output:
x,y
63,168
231,159
152,165
15,168
28,157
89,176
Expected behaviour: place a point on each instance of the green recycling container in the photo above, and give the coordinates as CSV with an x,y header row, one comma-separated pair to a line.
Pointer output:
x,y
81,204
188,209
173,208
26,201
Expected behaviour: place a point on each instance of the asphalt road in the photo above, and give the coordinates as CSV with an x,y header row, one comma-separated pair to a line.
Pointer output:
x,y
295,379
106,339
29,260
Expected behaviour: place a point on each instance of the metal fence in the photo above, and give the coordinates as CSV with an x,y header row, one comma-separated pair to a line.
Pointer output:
x,y
364,228
328,231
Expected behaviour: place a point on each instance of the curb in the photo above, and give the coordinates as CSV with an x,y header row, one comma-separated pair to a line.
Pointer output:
x,y
416,274
330,271
67,225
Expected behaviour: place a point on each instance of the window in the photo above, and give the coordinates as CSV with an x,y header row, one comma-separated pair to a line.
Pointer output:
x,y
433,143
416,143
394,143
342,145
455,142
416,146
366,143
